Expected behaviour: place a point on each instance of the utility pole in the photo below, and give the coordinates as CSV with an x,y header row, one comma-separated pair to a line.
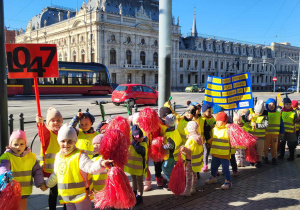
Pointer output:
x,y
3,86
298,74
164,67
91,35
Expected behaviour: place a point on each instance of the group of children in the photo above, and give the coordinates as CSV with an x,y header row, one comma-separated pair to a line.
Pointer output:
x,y
74,169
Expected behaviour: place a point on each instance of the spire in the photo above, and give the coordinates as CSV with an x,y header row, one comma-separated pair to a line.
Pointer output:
x,y
194,29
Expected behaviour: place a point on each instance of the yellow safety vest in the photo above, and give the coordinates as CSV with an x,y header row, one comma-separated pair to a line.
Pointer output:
x,y
47,162
70,182
200,121
297,125
163,129
288,120
175,136
260,133
181,127
274,122
99,179
209,121
21,168
220,144
134,165
85,142
196,154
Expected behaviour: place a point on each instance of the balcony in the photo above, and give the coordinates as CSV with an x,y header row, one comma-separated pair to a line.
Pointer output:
x,y
284,72
139,67
192,69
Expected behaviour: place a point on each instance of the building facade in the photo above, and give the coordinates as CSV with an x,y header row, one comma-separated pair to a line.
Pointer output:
x,y
123,35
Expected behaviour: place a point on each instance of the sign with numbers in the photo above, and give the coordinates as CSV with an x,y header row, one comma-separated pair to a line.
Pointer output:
x,y
31,60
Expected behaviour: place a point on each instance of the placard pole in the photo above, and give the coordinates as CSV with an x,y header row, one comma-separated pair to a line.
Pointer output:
x,y
37,98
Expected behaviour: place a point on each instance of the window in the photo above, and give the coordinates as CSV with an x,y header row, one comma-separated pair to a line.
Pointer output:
x,y
82,56
196,64
156,79
155,59
209,65
66,57
196,78
60,57
203,64
209,46
189,64
202,79
137,88
181,63
112,38
227,65
142,41
189,78
147,89
112,54
128,39
155,43
143,78
113,77
199,45
142,58
122,88
93,55
128,57
227,48
219,47
222,65
129,78
216,64
74,56
181,78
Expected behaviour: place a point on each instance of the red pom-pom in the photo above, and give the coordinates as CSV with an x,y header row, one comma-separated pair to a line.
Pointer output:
x,y
157,152
113,146
117,192
10,197
251,154
240,138
121,124
148,120
177,179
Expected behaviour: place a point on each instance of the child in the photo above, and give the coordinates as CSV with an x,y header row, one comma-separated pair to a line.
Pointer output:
x,y
194,159
188,116
220,151
274,129
54,121
98,179
289,117
86,132
210,122
137,161
72,169
22,162
172,143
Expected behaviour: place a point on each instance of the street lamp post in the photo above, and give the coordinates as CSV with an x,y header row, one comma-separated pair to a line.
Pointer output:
x,y
298,79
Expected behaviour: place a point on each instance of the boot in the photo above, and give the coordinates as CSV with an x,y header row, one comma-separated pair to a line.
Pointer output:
x,y
266,160
204,168
147,186
159,182
139,199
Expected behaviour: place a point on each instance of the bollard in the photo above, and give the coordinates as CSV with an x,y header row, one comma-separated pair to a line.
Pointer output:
x,y
11,123
21,121
79,110
174,106
87,110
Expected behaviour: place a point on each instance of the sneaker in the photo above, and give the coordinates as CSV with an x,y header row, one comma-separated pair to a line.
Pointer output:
x,y
226,186
258,164
235,173
139,199
274,161
165,181
159,182
204,168
167,187
266,160
211,180
239,164
147,186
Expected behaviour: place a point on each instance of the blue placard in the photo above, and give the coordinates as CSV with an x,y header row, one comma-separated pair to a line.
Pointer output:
x,y
233,92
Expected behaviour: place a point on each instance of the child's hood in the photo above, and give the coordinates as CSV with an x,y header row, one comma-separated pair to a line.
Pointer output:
x,y
26,151
197,138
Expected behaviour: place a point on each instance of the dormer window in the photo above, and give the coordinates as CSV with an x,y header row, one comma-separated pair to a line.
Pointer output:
x,y
112,38
155,43
142,41
219,47
209,46
199,45
227,48
128,39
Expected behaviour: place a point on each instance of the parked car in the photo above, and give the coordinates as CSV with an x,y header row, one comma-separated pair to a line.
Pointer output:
x,y
194,88
292,89
142,93
279,89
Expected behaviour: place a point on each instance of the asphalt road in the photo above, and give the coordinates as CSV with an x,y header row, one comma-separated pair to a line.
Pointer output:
x,y
68,105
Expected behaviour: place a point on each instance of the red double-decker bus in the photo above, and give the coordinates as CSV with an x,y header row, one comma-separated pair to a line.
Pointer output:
x,y
74,78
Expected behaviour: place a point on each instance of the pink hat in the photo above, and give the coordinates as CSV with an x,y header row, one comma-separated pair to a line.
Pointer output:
x,y
192,127
98,138
19,134
51,113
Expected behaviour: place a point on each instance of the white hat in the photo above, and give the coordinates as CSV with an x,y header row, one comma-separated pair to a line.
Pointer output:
x,y
67,132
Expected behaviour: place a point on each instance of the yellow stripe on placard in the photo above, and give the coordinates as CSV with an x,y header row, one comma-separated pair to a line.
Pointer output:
x,y
220,100
217,80
240,90
228,87
227,80
247,90
212,93
239,84
209,99
239,98
228,106
214,87
239,77
229,93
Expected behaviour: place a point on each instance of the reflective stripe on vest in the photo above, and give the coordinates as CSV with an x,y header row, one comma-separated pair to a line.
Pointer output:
x,y
134,165
21,168
176,137
196,154
70,182
220,144
288,120
85,142
274,122
48,159
99,179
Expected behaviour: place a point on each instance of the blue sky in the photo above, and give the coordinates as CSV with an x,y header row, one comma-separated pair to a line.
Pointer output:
x,y
257,21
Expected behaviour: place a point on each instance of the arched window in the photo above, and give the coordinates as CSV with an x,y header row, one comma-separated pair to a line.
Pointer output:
x,y
66,57
143,58
112,56
60,57
128,39
142,41
74,56
155,43
112,38
155,59
93,55
82,56
128,57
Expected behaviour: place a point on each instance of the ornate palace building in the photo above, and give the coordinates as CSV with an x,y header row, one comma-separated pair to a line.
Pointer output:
x,y
123,35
